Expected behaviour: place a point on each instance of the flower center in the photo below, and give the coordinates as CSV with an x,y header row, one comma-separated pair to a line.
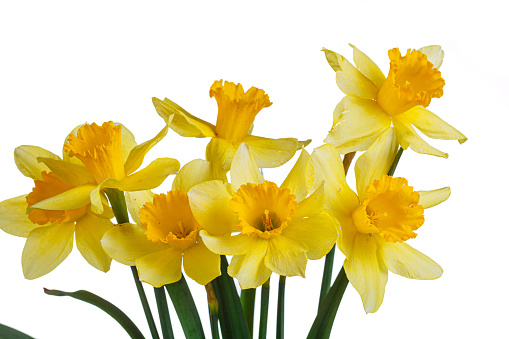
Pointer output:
x,y
412,81
391,209
99,148
236,109
169,219
46,188
263,209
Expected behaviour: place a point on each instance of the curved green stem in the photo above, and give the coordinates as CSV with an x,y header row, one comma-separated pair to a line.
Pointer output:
x,y
327,274
395,162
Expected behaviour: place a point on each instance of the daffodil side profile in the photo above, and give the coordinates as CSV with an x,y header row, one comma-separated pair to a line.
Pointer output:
x,y
229,227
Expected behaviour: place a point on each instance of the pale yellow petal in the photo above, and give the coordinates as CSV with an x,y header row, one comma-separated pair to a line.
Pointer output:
x,y
375,162
228,245
434,53
89,231
407,262
97,198
127,142
25,158
296,179
244,168
127,242
185,124
135,201
432,198
192,173
13,217
367,272
151,176
431,125
74,198
317,232
407,137
200,264
367,67
220,155
67,172
349,79
286,257
210,204
358,123
249,269
312,205
46,248
137,154
160,268
271,153
325,164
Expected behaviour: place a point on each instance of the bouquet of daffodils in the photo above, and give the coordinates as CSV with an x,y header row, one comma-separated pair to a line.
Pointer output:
x,y
223,223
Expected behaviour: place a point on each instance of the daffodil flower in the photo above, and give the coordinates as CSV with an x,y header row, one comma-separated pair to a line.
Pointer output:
x,y
373,103
50,233
236,112
101,157
265,227
375,223
166,234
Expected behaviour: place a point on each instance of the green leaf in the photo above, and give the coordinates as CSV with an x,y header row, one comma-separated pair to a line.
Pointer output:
x,y
104,305
186,309
9,332
247,300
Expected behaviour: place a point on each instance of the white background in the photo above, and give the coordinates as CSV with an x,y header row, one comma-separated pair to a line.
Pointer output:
x,y
65,63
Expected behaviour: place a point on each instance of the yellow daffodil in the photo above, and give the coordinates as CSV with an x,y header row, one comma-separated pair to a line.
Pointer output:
x,y
374,102
236,112
265,227
50,233
103,157
166,234
376,223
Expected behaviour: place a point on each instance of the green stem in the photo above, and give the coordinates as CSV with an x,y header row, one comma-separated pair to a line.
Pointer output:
x,y
327,274
395,162
119,207
164,313
264,310
186,309
214,328
213,311
280,326
247,299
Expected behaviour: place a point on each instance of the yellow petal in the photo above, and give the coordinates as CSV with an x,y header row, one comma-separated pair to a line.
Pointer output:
x,y
317,232
434,53
67,172
127,242
200,264
431,125
407,137
89,231
127,143
349,79
220,154
358,123
210,204
192,173
244,168
249,269
135,201
25,158
407,262
151,176
367,272
46,248
286,257
72,199
137,154
367,67
97,198
228,245
271,153
325,164
376,161
296,179
432,198
312,205
161,268
13,217
182,122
